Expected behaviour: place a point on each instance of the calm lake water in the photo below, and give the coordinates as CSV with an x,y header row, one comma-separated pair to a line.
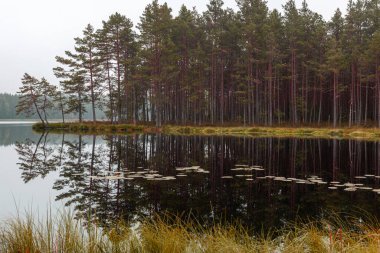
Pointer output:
x,y
229,178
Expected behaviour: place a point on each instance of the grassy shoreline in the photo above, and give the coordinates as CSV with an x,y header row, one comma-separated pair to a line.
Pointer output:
x,y
172,234
102,128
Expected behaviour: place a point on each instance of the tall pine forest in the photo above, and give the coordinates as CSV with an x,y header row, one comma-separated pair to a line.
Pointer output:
x,y
249,66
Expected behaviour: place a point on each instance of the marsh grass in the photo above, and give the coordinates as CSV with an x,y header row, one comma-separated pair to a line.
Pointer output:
x,y
171,234
105,128
92,128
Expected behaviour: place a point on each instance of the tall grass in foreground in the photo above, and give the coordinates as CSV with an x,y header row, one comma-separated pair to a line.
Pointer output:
x,y
63,233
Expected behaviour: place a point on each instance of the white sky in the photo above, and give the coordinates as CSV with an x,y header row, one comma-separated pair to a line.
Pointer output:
x,y
33,32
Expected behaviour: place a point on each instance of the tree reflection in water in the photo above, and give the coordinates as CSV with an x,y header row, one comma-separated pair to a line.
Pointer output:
x,y
257,203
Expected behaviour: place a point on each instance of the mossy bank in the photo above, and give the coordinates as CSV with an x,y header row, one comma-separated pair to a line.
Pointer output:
x,y
280,132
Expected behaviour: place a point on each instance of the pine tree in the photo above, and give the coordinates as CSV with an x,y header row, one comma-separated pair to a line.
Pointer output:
x,y
185,39
253,66
335,58
374,57
37,97
117,40
292,31
87,59
155,29
73,85
31,97
254,14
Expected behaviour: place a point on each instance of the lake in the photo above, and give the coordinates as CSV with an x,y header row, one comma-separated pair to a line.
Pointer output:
x,y
262,182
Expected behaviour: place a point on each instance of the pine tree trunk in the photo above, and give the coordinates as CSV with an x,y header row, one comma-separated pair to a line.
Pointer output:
x,y
378,90
118,77
335,97
110,92
38,112
222,92
92,88
270,102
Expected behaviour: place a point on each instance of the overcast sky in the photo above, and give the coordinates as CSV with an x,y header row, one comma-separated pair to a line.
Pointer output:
x,y
33,32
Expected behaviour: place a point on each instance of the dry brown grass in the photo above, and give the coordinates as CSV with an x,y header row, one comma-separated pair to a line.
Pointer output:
x,y
171,234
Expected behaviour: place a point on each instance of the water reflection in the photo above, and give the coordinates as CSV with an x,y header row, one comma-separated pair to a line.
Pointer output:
x,y
83,162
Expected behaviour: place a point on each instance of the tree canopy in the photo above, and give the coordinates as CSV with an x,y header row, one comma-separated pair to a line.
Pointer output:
x,y
250,66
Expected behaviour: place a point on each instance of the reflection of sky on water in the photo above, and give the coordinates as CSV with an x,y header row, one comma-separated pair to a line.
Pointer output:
x,y
15,194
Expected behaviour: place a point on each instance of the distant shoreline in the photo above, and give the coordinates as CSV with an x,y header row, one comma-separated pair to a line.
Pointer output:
x,y
12,122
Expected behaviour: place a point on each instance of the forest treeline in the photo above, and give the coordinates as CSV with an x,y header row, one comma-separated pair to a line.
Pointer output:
x,y
8,103
249,66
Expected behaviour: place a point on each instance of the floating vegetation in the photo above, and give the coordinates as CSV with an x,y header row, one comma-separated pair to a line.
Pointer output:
x,y
241,165
242,169
182,169
169,178
136,176
350,189
114,177
247,175
193,169
246,172
366,188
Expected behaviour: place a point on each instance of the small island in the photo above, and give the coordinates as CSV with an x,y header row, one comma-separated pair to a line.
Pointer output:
x,y
244,129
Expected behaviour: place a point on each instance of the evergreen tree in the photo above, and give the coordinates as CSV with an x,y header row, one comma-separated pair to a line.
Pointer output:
x,y
155,37
88,61
36,97
117,41
254,66
30,97
73,85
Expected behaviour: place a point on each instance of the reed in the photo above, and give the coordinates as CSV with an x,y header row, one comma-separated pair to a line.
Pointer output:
x,y
63,233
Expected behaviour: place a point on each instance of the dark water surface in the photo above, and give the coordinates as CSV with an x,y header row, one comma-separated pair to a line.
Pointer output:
x,y
229,178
